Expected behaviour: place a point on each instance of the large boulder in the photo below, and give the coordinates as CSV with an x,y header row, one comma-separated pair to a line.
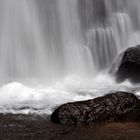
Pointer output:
x,y
129,67
112,107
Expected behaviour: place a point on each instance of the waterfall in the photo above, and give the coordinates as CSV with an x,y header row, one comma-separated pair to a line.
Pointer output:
x,y
21,43
53,39
66,43
109,27
26,51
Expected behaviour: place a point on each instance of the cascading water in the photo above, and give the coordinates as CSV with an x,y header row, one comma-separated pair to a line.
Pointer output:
x,y
20,38
111,27
63,46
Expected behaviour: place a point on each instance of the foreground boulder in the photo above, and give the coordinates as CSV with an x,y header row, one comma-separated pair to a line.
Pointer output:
x,y
112,107
129,67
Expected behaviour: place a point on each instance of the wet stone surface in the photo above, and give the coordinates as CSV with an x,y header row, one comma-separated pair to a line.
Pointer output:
x,y
117,106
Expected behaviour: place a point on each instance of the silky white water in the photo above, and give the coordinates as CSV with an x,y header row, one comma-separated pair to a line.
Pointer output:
x,y
56,51
20,98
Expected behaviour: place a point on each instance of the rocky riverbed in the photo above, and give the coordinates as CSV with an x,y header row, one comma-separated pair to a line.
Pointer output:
x,y
33,127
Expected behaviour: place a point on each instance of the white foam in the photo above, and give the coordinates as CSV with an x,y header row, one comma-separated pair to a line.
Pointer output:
x,y
16,97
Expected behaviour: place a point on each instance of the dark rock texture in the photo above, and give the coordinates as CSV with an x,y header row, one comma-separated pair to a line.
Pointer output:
x,y
129,67
112,107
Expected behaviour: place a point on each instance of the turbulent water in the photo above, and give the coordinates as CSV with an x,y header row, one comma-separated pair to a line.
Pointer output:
x,y
55,51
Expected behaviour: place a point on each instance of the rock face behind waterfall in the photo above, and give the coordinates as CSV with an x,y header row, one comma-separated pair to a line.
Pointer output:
x,y
129,67
112,107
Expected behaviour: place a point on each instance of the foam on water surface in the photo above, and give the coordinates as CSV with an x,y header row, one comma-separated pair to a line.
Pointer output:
x,y
16,97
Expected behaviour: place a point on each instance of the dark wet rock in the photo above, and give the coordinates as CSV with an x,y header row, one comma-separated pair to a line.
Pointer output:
x,y
119,106
129,67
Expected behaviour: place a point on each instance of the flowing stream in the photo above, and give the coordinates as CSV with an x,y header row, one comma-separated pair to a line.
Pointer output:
x,y
56,51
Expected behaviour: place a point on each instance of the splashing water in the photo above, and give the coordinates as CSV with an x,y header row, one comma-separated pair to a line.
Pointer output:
x,y
19,98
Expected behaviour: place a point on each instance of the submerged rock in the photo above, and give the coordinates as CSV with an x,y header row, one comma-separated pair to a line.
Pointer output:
x,y
129,67
112,107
